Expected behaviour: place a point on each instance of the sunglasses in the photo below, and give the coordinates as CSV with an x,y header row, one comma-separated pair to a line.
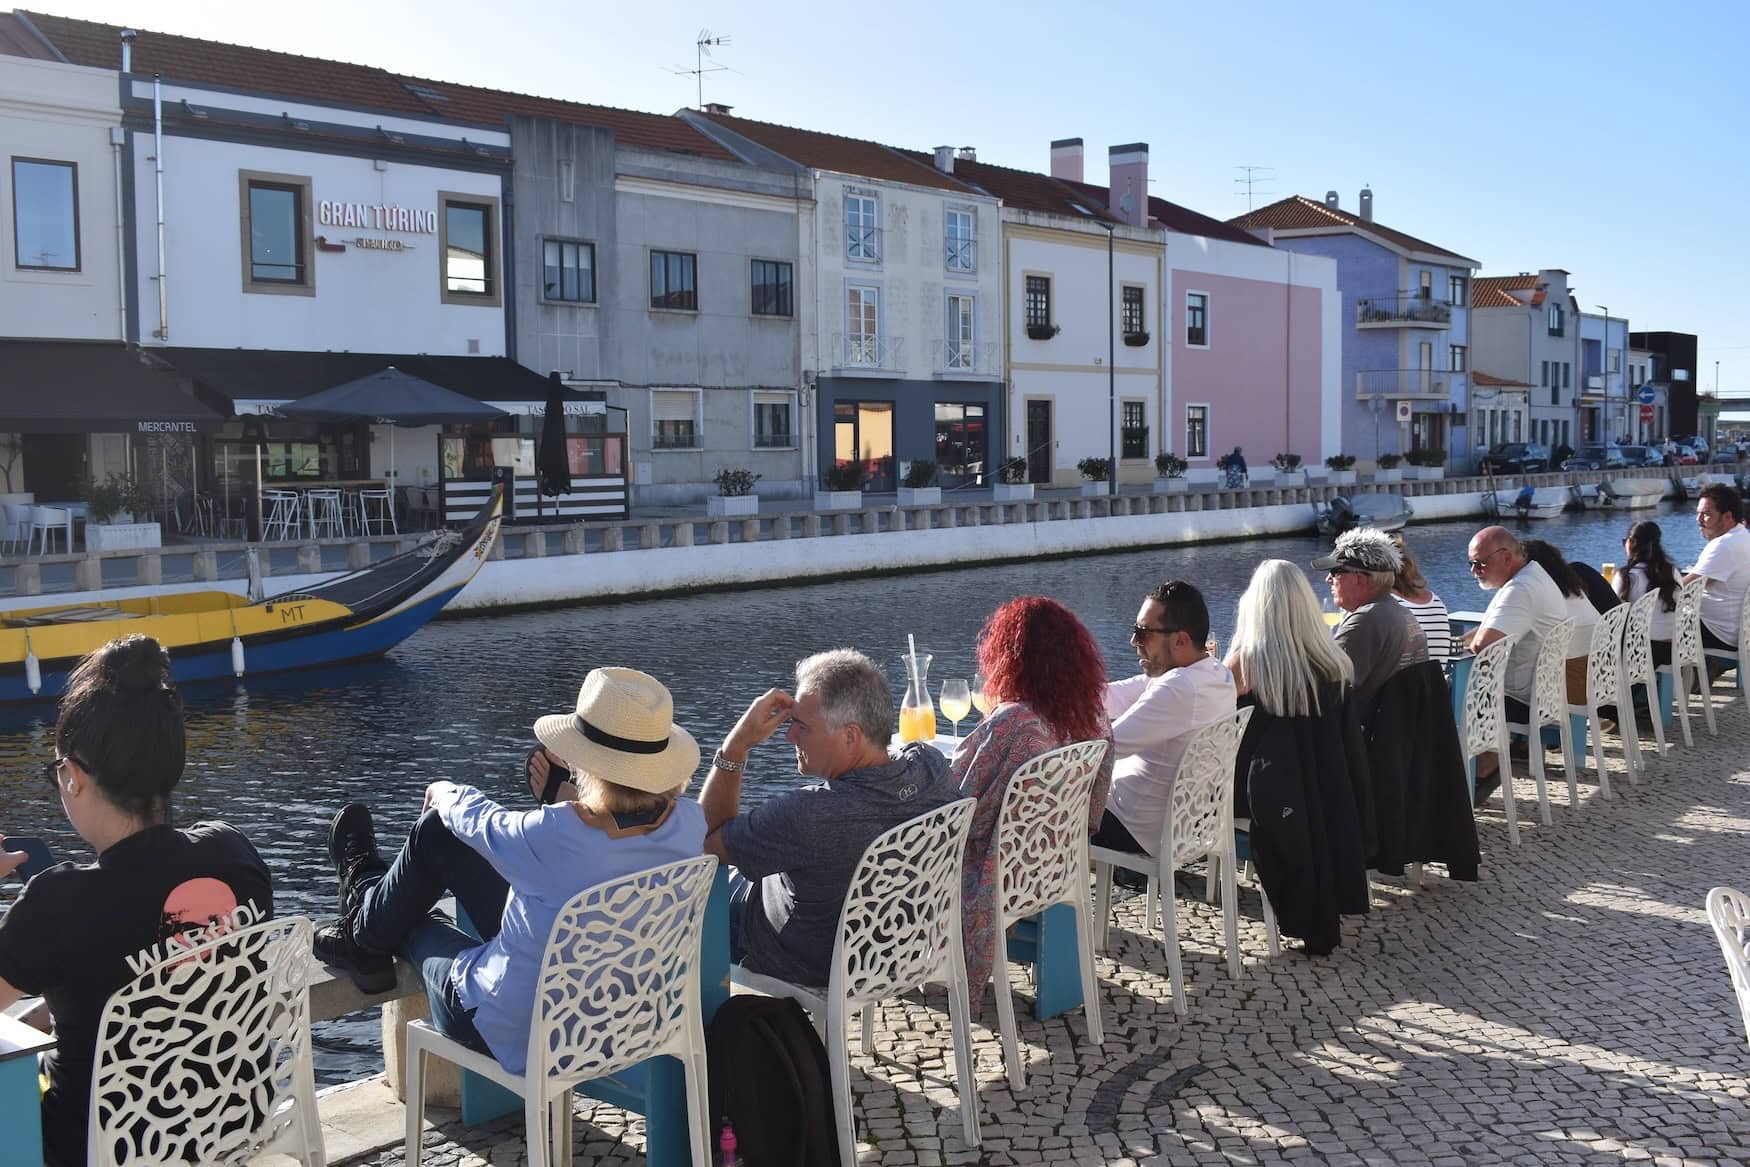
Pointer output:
x,y
1143,631
1479,564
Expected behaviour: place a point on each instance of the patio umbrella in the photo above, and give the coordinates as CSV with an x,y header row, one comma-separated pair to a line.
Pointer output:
x,y
391,397
552,462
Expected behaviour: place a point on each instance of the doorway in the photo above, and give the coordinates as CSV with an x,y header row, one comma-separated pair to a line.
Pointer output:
x,y
56,464
862,432
1039,444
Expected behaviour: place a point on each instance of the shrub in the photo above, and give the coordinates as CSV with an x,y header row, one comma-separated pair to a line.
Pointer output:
x,y
1286,461
1427,456
116,494
1341,462
845,476
733,481
1095,469
1388,461
1170,465
921,474
1013,472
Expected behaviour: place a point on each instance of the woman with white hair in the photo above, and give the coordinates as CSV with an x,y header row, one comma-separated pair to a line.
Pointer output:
x,y
1282,653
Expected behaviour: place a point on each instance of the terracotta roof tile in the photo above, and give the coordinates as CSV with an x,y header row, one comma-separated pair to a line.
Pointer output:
x,y
1300,213
1478,377
846,155
1491,292
1024,189
1183,220
17,40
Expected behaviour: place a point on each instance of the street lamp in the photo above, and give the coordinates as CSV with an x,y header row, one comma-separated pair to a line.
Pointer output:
x,y
1604,372
1111,365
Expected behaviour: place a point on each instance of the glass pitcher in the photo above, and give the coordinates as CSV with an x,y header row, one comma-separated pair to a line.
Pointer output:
x,y
917,713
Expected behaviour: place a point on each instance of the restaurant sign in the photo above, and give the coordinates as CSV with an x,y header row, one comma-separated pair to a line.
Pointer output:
x,y
372,217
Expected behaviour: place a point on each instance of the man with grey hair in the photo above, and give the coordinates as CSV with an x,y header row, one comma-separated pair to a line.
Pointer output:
x,y
1379,635
795,853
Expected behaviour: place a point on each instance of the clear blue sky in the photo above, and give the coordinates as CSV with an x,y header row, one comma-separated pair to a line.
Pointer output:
x,y
1605,138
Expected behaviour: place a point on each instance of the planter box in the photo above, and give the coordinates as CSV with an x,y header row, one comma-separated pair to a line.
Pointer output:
x,y
1096,489
1012,491
1340,477
920,496
1428,473
723,506
1209,476
1171,486
1291,478
838,500
122,536
1394,474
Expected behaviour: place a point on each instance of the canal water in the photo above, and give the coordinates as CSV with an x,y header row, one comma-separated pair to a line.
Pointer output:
x,y
275,756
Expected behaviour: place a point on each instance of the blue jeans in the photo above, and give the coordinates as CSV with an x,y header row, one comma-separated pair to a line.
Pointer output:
x,y
399,915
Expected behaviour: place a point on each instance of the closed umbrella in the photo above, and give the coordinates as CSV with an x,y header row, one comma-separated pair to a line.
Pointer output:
x,y
552,460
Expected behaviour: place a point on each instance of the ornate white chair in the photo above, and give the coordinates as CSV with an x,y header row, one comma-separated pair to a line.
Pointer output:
x,y
1728,910
1485,722
1199,826
1637,668
1042,861
1604,688
1731,655
617,986
205,1056
1549,706
1687,660
900,928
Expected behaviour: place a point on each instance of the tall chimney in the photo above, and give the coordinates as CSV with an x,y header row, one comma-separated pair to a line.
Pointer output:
x,y
1331,200
1127,192
128,36
1066,159
945,159
1367,204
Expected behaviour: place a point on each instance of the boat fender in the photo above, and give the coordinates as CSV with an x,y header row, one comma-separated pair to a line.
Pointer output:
x,y
33,669
237,656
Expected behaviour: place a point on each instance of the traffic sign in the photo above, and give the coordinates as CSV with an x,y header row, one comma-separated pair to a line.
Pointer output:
x,y
1647,414
1646,395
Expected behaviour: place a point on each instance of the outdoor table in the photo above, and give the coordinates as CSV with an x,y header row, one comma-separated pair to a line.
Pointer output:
x,y
21,1119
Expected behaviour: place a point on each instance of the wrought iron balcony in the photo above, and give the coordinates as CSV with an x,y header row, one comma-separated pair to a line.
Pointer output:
x,y
956,358
870,353
1404,384
1402,311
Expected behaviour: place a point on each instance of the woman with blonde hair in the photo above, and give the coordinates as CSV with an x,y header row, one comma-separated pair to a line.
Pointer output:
x,y
1413,592
1282,652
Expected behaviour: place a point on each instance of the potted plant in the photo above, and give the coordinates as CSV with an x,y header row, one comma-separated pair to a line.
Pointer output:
x,y
844,488
110,509
1170,473
919,489
1042,331
1288,471
1342,468
1428,462
1386,468
1136,339
1012,484
1097,471
734,495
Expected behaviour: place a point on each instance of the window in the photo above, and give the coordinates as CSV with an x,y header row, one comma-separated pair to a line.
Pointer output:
x,y
674,419
773,293
958,352
276,233
862,228
568,271
1197,319
45,214
1458,291
1133,430
958,241
1130,311
863,326
1555,320
1458,358
1197,431
1545,381
1567,374
960,444
774,420
468,249
1425,286
1555,393
1613,361
674,280
1038,301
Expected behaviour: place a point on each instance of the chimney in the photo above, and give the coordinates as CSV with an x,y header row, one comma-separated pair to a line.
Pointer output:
x,y
1066,159
128,36
1367,204
967,154
1127,192
945,159
717,107
1331,200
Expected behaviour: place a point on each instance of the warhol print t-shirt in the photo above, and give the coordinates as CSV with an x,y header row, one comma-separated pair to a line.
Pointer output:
x,y
80,932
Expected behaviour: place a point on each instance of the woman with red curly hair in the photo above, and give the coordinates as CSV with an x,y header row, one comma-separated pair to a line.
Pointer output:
x,y
1044,671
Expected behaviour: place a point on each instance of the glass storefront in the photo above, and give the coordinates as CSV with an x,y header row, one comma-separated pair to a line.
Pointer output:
x,y
960,444
863,432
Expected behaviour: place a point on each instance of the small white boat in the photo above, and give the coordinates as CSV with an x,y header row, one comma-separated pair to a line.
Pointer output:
x,y
1590,497
1530,502
1633,493
1377,510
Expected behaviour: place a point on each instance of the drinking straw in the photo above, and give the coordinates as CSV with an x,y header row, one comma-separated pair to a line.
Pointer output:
x,y
911,663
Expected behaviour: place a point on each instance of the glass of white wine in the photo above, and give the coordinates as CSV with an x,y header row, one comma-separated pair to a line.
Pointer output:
x,y
982,701
956,701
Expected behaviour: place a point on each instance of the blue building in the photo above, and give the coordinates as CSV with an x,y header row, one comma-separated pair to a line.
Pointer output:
x,y
1405,325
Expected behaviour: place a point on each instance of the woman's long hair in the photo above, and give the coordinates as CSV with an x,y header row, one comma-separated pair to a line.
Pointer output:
x,y
1033,649
121,720
1646,547
1410,581
1281,642
1549,557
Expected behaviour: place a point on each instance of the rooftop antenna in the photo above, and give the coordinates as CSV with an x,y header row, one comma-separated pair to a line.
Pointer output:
x,y
1253,176
702,53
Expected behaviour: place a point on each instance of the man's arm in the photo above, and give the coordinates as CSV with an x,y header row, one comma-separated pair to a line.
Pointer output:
x,y
720,798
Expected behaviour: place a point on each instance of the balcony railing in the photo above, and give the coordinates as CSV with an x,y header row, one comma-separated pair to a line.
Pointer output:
x,y
855,350
1407,384
1401,312
863,243
958,358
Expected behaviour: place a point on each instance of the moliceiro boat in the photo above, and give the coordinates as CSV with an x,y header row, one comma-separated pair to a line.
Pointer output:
x,y
213,634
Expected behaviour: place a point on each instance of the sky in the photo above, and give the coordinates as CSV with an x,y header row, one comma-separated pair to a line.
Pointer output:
x,y
1608,139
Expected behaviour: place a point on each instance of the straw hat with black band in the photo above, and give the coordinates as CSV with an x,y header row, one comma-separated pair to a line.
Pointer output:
x,y
623,732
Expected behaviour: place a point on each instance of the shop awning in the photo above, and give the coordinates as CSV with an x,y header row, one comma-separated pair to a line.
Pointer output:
x,y
102,387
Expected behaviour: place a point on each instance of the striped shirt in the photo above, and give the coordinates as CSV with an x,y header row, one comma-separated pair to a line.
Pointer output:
x,y
1435,625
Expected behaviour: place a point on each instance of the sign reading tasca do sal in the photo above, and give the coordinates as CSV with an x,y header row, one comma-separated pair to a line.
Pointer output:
x,y
372,217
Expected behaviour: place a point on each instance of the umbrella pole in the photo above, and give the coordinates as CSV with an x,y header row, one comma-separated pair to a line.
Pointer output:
x,y
258,534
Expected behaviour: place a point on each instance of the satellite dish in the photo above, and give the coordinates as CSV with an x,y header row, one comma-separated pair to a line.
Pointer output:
x,y
1126,202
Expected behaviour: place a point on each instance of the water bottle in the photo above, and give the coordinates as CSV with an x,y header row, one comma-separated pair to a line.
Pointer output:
x,y
726,1145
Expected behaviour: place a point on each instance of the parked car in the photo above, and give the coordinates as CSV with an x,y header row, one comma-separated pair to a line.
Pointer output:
x,y
1515,458
1641,456
1595,458
1695,443
1686,456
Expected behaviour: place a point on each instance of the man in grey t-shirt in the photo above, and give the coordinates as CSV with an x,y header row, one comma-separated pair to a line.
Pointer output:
x,y
795,854
1379,635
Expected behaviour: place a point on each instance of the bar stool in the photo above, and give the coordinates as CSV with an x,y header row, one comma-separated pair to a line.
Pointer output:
x,y
327,514
377,505
284,515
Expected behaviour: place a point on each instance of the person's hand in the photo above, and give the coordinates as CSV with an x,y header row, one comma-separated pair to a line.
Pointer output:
x,y
762,719
10,861
431,793
541,765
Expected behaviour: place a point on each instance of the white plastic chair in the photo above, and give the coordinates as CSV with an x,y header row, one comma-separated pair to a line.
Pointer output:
x,y
1731,655
1687,659
1484,730
1199,825
285,512
49,520
900,928
1728,910
15,526
1605,687
1549,706
205,1056
377,506
617,986
1042,861
1637,668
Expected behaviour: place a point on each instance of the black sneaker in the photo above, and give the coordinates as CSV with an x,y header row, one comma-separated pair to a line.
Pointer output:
x,y
352,848
371,972
1485,787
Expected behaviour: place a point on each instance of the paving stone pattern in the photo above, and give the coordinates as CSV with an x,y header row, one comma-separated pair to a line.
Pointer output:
x,y
1572,1007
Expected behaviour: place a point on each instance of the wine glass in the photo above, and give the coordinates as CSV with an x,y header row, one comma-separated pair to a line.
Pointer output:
x,y
981,698
956,701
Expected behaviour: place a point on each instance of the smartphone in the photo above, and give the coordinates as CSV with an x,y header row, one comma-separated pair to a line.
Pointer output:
x,y
39,857
557,773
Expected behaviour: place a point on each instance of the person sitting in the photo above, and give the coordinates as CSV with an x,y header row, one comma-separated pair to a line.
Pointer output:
x,y
1412,591
1725,565
1597,589
1648,568
795,854
1379,634
512,871
1578,606
1044,671
1181,689
78,930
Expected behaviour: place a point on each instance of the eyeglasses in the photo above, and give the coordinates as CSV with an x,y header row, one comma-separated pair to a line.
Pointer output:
x,y
1478,564
53,770
1337,571
1143,631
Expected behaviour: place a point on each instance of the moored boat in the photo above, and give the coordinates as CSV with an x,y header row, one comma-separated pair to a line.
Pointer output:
x,y
1531,502
212,634
1633,493
1378,510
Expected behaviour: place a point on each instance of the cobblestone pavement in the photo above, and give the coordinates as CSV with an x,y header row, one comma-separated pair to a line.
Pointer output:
x,y
1572,1007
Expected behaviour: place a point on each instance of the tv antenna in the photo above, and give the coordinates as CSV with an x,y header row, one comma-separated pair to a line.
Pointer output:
x,y
1253,176
702,47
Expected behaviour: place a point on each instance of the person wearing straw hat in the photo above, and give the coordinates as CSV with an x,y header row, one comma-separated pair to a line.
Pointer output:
x,y
513,870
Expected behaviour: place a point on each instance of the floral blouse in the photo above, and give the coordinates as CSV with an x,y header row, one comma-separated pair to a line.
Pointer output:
x,y
1007,739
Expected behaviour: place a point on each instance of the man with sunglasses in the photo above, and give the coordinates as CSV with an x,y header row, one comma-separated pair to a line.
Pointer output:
x,y
1378,634
1181,689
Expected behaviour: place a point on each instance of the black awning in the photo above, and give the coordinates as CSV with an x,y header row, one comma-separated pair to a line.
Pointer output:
x,y
268,375
87,386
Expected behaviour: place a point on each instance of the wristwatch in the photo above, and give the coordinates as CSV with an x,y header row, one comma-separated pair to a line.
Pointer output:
x,y
720,762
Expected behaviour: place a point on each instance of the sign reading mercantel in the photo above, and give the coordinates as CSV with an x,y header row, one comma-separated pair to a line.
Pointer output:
x,y
373,217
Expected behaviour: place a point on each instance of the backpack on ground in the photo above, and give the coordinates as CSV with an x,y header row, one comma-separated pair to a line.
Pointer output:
x,y
770,1081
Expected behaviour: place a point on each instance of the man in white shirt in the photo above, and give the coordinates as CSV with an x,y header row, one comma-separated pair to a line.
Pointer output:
x,y
1182,688
1724,564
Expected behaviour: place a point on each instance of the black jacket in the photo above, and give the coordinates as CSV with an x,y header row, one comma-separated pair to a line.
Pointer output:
x,y
1421,800
1294,776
